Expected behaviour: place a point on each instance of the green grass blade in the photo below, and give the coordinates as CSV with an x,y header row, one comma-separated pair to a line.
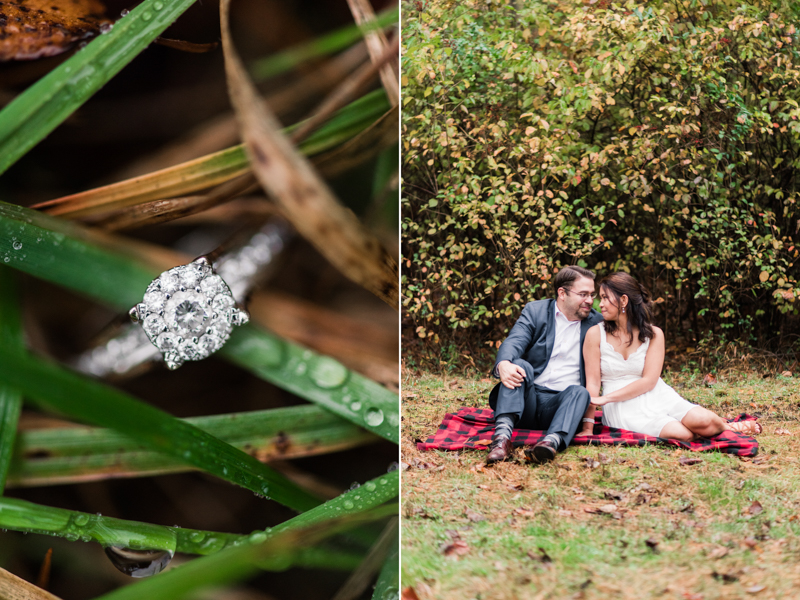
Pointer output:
x,y
317,378
98,404
44,106
70,255
10,398
268,548
388,584
70,454
326,44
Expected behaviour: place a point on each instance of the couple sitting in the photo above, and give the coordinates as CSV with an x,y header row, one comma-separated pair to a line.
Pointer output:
x,y
561,352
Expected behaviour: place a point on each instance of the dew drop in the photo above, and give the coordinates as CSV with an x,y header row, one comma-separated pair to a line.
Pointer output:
x,y
328,373
348,505
355,406
258,537
374,416
81,520
158,6
355,485
392,467
197,536
124,12
301,368
146,16
6,259
106,27
370,486
393,420
17,245
138,563
391,593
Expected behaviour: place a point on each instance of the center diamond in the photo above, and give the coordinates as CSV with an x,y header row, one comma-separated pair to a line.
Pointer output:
x,y
189,318
182,313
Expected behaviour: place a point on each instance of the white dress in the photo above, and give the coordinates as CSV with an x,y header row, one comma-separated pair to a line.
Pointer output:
x,y
648,413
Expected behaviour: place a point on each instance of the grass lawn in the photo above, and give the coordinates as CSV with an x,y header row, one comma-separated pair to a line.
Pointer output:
x,y
604,522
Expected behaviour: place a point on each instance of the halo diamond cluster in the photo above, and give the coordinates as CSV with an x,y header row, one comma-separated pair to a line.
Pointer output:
x,y
188,313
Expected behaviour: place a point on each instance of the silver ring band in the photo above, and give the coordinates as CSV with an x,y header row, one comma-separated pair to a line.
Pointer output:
x,y
188,312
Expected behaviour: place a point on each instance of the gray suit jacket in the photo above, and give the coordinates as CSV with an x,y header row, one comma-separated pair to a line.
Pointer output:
x,y
532,338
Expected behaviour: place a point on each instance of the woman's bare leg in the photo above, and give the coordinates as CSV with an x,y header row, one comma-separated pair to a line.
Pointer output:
x,y
675,430
704,423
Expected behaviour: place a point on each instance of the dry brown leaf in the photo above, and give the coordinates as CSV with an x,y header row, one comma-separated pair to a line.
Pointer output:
x,y
474,516
755,508
718,552
306,200
786,374
781,431
685,460
709,379
755,589
483,442
13,587
409,594
457,548
32,29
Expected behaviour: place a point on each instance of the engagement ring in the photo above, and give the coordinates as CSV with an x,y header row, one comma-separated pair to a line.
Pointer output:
x,y
188,312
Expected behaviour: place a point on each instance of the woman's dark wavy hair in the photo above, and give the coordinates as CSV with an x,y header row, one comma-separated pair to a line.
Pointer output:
x,y
640,306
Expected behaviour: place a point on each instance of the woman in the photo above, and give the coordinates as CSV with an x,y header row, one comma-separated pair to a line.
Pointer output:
x,y
625,354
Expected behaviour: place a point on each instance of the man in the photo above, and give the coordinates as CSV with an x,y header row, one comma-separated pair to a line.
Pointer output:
x,y
540,366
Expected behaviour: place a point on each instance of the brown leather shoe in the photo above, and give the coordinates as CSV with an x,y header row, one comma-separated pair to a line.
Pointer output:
x,y
500,450
544,451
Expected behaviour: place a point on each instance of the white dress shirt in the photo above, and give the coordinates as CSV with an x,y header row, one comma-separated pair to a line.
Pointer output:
x,y
564,368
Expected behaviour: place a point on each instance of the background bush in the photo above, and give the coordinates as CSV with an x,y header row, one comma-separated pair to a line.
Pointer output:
x,y
657,138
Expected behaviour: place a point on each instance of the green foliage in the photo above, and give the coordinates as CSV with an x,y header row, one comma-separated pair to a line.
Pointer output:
x,y
660,139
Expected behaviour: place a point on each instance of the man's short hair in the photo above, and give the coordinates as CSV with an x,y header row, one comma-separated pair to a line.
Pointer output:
x,y
567,275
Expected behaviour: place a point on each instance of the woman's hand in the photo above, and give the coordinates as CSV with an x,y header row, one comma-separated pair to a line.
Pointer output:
x,y
599,400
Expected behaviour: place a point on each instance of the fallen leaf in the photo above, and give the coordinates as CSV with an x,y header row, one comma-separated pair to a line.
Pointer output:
x,y
755,589
31,29
652,543
457,548
591,463
516,488
781,431
786,374
603,458
718,552
608,508
564,513
685,460
484,487
751,543
404,466
483,443
755,508
524,512
409,594
709,379
474,516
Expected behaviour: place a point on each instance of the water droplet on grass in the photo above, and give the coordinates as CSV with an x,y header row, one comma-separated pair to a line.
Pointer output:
x,y
374,416
328,373
355,406
348,505
370,486
124,12
158,6
17,245
139,563
81,520
106,27
147,16
392,467
197,536
258,537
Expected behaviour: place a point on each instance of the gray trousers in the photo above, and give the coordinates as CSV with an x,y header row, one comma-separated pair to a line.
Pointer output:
x,y
537,407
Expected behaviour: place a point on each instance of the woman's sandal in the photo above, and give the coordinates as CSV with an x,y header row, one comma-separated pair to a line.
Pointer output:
x,y
747,427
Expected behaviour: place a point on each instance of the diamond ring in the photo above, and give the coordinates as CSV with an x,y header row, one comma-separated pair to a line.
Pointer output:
x,y
188,312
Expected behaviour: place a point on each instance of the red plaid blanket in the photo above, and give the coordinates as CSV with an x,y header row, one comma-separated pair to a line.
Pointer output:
x,y
469,426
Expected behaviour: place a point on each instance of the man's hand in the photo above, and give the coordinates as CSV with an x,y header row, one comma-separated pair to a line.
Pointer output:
x,y
511,375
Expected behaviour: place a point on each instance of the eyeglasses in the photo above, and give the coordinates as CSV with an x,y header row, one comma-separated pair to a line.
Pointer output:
x,y
582,295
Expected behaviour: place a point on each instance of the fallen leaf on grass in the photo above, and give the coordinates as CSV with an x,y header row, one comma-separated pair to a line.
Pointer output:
x,y
709,379
541,557
31,29
564,513
652,543
409,594
516,488
755,508
474,516
751,543
457,548
781,431
685,460
786,374
591,463
755,589
608,508
718,552
483,443
403,466
524,512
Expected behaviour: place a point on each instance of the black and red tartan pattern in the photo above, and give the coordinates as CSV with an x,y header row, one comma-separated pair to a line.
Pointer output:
x,y
469,426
